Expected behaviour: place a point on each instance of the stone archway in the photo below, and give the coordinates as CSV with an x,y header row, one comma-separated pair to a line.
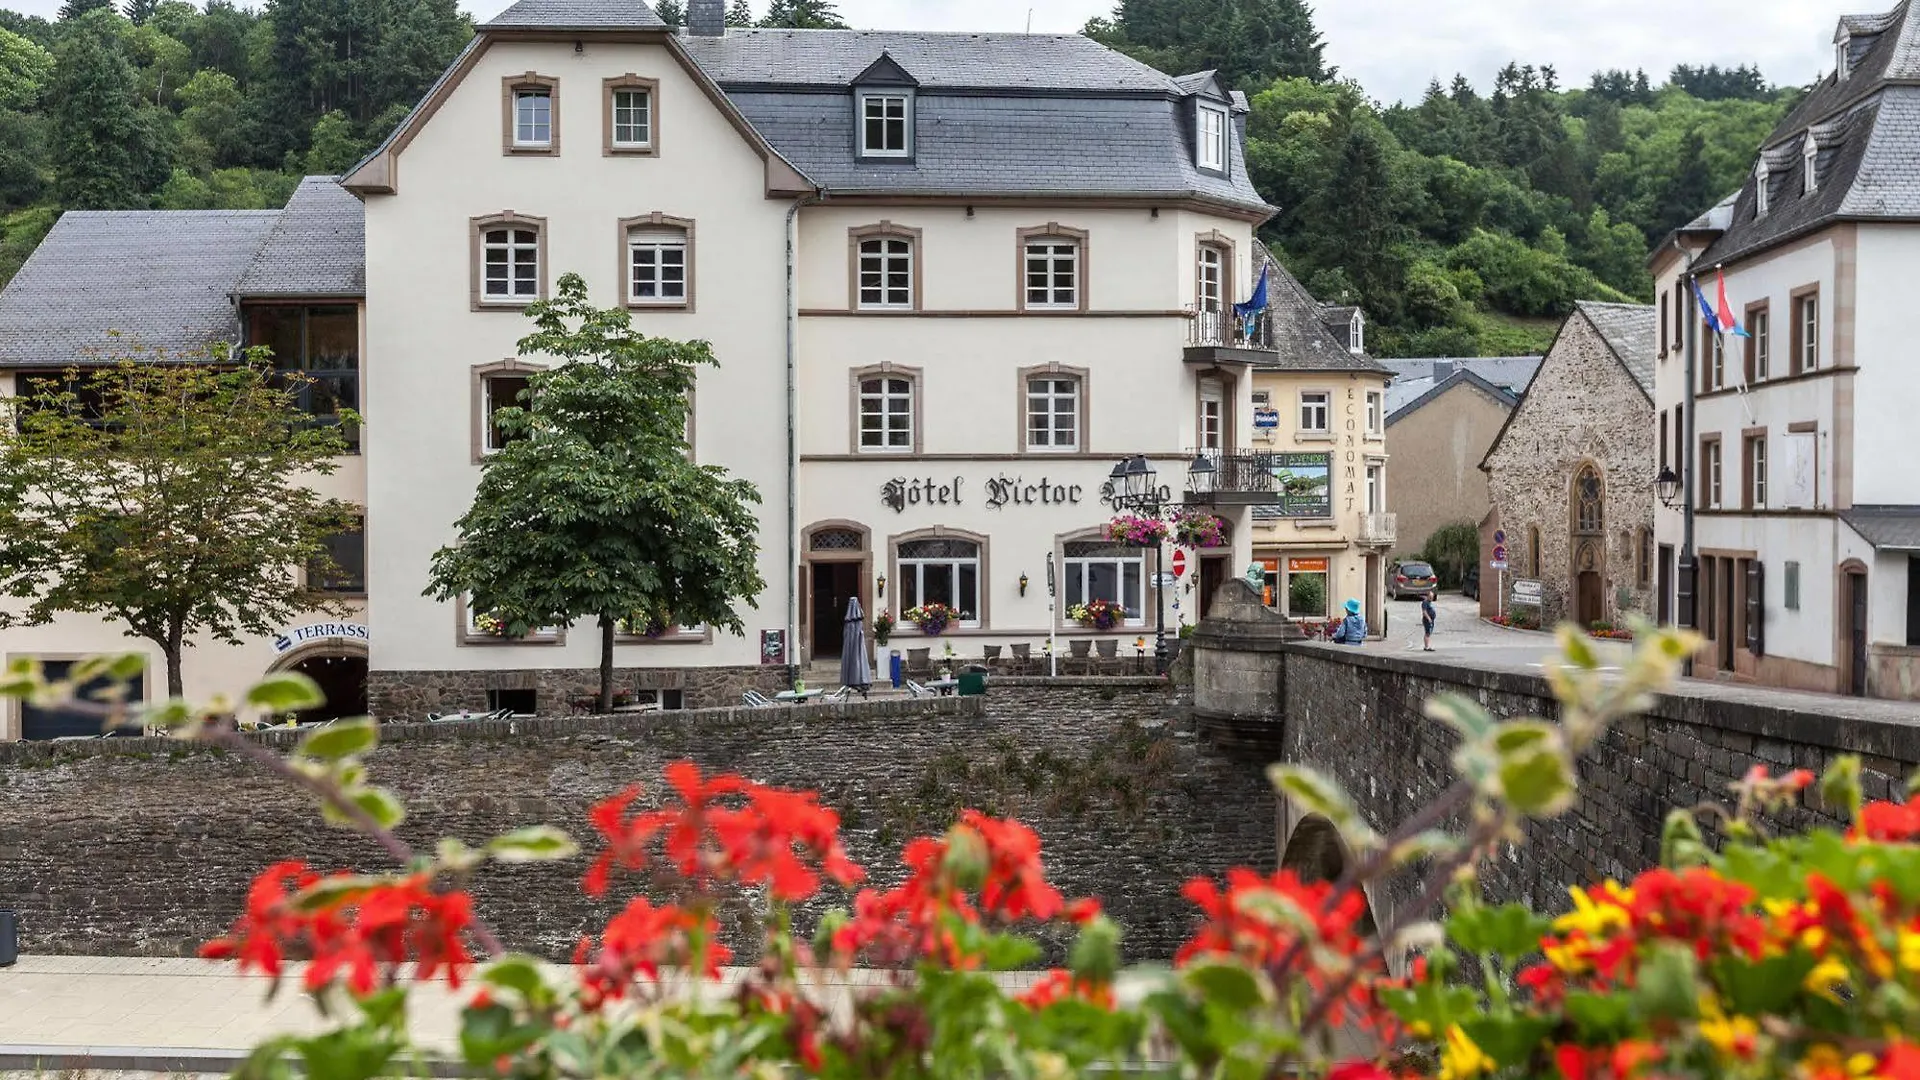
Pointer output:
x,y
339,667
1316,852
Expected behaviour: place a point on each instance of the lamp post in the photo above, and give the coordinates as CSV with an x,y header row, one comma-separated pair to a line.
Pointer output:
x,y
1135,485
1667,487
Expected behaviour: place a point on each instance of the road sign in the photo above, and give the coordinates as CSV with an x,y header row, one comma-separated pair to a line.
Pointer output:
x,y
1497,564
1179,562
1499,536
1526,593
1499,553
1163,581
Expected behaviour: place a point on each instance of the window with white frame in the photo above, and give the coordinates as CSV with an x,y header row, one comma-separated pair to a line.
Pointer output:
x,y
1806,310
1053,272
886,272
1211,283
497,392
944,570
1357,334
1376,488
886,414
1811,155
1213,415
1099,570
884,125
490,626
1760,340
1376,406
510,257
657,265
1053,413
632,118
1757,472
1762,179
1210,131
1315,405
533,117
1717,363
1712,453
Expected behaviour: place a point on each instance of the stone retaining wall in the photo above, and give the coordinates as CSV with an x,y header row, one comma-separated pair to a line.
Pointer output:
x,y
145,847
411,695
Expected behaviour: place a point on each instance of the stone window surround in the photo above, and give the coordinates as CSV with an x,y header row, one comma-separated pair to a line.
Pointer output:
x,y
478,380
531,80
1149,592
1796,362
1320,434
658,220
1214,238
477,260
886,369
464,635
916,263
941,532
1052,230
1748,438
1376,403
678,635
1055,370
629,81
1229,388
1752,349
1573,500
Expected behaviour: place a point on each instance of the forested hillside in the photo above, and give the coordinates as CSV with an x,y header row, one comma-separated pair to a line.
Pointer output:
x,y
1466,223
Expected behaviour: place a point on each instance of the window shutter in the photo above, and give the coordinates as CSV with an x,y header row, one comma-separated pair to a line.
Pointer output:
x,y
1756,608
1683,593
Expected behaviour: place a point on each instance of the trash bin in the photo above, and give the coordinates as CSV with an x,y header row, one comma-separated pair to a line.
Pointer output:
x,y
9,938
972,684
893,668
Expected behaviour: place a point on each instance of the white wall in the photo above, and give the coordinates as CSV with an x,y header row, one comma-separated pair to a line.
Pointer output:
x,y
425,340
1887,393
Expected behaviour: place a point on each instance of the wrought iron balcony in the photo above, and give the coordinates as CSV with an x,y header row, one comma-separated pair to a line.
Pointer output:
x,y
1221,337
1379,530
1231,478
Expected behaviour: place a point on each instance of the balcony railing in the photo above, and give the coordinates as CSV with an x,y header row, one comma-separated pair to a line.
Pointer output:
x,y
1225,330
1238,478
1381,530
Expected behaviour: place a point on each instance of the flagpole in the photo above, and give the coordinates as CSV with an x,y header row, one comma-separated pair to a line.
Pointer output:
x,y
1689,583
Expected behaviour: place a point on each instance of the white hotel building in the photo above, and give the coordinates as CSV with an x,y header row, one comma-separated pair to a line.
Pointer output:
x,y
1797,458
951,279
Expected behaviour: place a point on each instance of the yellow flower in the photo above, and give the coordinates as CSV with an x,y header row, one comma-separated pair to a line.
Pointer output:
x,y
1732,1037
1591,919
1862,1064
1910,950
1420,1029
1462,1058
1826,975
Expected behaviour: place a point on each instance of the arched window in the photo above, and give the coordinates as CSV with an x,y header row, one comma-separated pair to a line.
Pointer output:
x,y
1589,517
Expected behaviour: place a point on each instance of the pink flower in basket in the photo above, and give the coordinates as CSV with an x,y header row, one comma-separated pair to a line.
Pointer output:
x,y
1136,531
1199,529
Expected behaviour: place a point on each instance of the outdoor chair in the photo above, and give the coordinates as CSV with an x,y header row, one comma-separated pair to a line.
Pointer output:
x,y
914,689
756,699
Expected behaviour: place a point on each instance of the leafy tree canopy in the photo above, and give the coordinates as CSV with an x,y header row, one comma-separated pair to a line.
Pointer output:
x,y
1250,42
803,15
24,69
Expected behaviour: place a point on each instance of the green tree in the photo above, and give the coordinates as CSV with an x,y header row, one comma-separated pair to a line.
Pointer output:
x,y
739,13
803,15
593,510
172,499
219,39
671,12
415,46
74,9
212,129
20,233
100,141
334,146
1249,42
23,160
1689,190
139,11
24,69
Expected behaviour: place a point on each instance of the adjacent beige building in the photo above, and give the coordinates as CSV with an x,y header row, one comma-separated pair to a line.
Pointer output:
x,y
1439,437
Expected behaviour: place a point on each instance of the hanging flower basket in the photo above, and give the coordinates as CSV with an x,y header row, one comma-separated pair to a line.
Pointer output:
x,y
1136,531
1098,614
932,619
1198,529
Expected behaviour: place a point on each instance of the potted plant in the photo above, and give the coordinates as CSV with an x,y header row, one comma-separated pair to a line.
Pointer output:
x,y
1097,614
882,627
932,619
640,626
490,624
1136,531
1199,529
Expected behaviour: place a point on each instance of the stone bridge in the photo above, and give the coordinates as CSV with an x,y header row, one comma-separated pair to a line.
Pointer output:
x,y
1357,715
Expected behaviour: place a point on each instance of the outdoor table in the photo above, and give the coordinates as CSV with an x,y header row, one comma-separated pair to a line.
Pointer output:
x,y
946,687
801,698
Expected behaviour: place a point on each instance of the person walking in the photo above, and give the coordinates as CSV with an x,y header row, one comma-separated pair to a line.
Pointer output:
x,y
1427,616
1353,628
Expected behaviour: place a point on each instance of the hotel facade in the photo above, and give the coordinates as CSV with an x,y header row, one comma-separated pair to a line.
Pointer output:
x,y
951,279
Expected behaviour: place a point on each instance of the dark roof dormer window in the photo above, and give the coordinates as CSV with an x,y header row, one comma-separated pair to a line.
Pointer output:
x,y
1210,127
1842,44
1762,179
883,117
1811,155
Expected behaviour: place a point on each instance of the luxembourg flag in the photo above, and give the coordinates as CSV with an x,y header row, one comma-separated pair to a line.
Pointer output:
x,y
1728,325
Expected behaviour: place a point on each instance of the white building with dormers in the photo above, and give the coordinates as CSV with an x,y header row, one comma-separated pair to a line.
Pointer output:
x,y
952,280
1797,457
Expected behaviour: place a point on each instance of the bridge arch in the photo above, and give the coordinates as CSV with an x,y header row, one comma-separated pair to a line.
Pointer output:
x,y
1315,851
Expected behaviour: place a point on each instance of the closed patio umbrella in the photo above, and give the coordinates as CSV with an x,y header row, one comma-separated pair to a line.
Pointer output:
x,y
854,669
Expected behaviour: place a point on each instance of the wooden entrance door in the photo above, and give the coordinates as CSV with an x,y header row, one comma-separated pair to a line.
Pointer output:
x,y
833,584
1590,601
1213,574
1723,612
1857,634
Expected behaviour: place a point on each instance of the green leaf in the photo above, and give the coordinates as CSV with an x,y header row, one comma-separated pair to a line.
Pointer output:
x,y
535,843
1508,1040
1509,931
1539,782
1575,649
1462,714
1433,1005
1600,1017
385,1008
1763,988
489,1033
342,738
271,1060
1008,952
333,891
1840,785
1681,842
1096,952
285,692
1516,736
167,716
1227,985
378,803
1317,794
455,855
518,973
1669,986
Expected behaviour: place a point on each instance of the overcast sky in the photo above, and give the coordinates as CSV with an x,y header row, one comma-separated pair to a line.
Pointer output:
x,y
1394,47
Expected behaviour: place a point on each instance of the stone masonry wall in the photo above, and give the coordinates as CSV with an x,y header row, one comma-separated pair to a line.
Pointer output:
x,y
1358,716
411,695
145,847
1582,406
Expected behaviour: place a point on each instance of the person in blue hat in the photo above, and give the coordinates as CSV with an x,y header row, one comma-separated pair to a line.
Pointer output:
x,y
1353,628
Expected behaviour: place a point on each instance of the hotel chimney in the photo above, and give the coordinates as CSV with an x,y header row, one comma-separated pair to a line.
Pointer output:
x,y
707,18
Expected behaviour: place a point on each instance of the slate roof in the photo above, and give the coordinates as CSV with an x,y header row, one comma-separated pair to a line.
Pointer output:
x,y
1630,331
161,278
831,59
1867,130
576,15
1417,393
1887,528
318,247
1514,373
1301,340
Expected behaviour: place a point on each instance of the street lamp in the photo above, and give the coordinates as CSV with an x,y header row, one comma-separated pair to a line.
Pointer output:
x,y
1200,475
1667,487
1134,485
